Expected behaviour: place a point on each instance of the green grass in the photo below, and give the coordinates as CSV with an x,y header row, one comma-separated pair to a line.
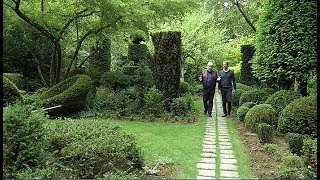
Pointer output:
x,y
239,151
182,143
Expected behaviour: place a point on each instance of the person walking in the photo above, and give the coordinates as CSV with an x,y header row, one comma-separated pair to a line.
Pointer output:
x,y
208,79
226,79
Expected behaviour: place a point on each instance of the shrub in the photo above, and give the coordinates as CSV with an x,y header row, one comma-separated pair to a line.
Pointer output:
x,y
138,53
181,106
117,176
261,113
10,92
70,93
255,95
115,80
23,139
92,148
249,104
241,112
184,88
309,153
295,142
154,101
291,167
300,116
280,99
236,96
243,86
197,88
274,150
269,90
264,132
15,78
312,85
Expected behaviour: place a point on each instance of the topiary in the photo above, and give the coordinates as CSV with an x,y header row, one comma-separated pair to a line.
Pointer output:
x,y
300,116
241,112
261,113
15,78
309,153
236,96
154,102
264,132
295,142
249,104
257,96
115,80
70,93
11,93
281,99
269,90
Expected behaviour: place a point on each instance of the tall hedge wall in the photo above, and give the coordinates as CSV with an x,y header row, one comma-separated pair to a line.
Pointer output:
x,y
286,41
246,76
166,62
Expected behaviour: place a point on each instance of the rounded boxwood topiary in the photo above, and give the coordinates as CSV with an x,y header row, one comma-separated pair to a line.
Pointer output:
x,y
236,96
261,113
241,112
300,116
10,92
70,93
249,104
257,96
281,98
269,90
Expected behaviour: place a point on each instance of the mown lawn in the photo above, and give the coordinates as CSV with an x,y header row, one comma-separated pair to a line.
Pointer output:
x,y
182,143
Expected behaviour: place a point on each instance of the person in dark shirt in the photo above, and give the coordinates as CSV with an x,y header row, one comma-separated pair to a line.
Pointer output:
x,y
208,79
226,79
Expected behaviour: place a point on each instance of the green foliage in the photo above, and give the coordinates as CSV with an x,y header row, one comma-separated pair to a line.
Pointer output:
x,y
257,96
248,104
182,106
273,149
166,62
264,132
241,112
312,85
154,101
70,93
184,88
10,92
89,149
138,53
23,139
246,75
236,96
270,91
280,99
115,80
35,173
285,45
300,116
118,175
295,142
243,86
290,168
309,153
261,113
15,78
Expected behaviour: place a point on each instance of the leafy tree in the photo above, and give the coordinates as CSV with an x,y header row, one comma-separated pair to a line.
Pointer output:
x,y
286,42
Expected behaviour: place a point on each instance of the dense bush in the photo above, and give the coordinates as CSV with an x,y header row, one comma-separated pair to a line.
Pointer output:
x,y
16,79
291,167
300,116
241,112
273,149
243,86
285,45
236,96
280,99
295,142
255,95
312,85
115,80
166,62
264,132
23,139
138,53
184,88
181,106
70,93
10,92
249,104
309,152
154,102
88,149
269,90
261,113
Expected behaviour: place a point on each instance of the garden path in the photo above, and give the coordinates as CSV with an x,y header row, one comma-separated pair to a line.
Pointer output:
x,y
217,155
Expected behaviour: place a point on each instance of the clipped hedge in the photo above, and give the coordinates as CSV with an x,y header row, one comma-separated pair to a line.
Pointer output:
x,y
300,116
261,113
11,93
257,96
70,93
280,99
241,112
88,149
138,53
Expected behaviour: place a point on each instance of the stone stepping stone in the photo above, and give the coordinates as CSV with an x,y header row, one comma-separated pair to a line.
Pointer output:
x,y
225,143
225,151
229,174
206,166
208,150
209,136
228,167
205,146
209,142
208,155
226,147
227,156
207,173
224,140
223,136
228,161
207,160
204,177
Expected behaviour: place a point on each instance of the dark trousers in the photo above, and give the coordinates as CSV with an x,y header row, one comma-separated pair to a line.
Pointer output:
x,y
226,99
208,95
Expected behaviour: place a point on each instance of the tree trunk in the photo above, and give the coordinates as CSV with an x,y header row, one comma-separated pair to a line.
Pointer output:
x,y
303,88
